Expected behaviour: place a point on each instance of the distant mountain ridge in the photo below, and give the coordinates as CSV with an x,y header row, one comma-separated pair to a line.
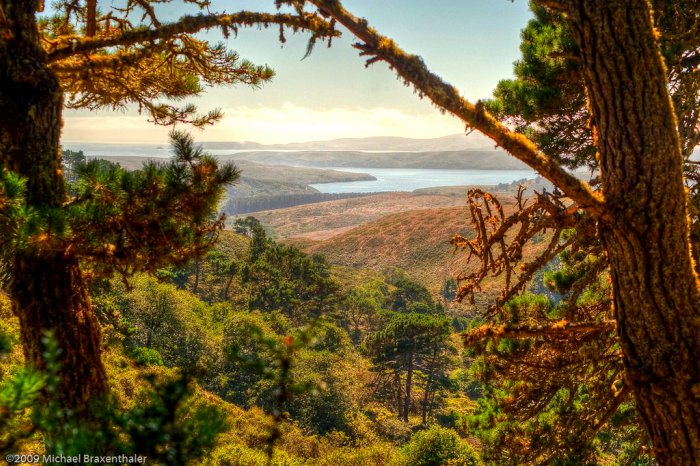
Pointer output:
x,y
468,159
452,142
456,151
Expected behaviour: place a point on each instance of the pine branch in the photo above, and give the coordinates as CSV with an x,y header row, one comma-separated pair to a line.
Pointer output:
x,y
101,61
559,329
68,46
412,69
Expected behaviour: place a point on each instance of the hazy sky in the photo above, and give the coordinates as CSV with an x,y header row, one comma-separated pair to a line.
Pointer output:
x,y
470,43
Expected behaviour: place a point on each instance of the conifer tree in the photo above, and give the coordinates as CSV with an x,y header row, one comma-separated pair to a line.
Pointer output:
x,y
408,343
95,55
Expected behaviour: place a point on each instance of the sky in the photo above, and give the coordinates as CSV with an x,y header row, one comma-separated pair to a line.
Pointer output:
x,y
470,43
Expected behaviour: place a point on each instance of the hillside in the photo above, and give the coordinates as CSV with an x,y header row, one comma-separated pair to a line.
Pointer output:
x,y
263,187
417,241
317,222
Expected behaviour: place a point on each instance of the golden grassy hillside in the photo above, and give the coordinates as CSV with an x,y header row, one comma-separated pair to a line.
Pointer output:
x,y
318,222
417,241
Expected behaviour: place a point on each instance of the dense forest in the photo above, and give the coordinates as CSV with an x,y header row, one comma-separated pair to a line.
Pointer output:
x,y
137,327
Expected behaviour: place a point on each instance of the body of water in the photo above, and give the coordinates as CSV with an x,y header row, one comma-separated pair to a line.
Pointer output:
x,y
409,179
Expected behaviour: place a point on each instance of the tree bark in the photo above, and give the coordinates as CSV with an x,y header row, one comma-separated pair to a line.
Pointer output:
x,y
655,286
48,289
195,285
224,295
409,382
426,396
91,27
399,393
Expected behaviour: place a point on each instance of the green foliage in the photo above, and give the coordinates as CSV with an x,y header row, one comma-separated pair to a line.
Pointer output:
x,y
300,374
410,342
21,411
282,278
163,214
242,455
409,293
377,454
438,446
71,161
17,221
527,308
407,335
170,322
449,289
360,312
168,428
146,356
547,86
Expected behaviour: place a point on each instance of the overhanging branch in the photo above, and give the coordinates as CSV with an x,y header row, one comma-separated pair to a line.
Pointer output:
x,y
68,46
559,329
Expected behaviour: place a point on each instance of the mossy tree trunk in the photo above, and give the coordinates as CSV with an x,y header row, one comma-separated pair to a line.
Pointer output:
x,y
48,289
646,234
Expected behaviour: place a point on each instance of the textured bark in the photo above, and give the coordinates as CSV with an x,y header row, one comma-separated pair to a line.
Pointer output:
x,y
91,27
48,289
656,297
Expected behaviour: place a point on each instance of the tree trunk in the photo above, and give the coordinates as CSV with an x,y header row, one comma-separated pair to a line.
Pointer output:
x,y
91,29
399,393
424,411
228,286
48,289
646,235
195,285
426,396
409,382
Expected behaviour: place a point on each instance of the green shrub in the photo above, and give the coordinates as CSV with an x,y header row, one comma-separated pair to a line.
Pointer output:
x,y
438,446
378,454
241,455
146,356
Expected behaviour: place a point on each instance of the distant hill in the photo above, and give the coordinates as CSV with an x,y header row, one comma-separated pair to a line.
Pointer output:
x,y
474,159
305,224
451,142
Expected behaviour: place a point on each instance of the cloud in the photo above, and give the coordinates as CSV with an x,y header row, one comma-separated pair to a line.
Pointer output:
x,y
286,123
